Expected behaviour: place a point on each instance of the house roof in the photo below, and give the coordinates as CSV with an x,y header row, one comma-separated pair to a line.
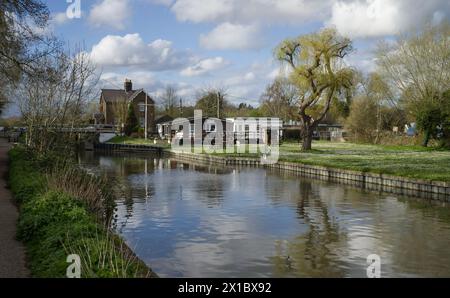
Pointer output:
x,y
115,95
162,119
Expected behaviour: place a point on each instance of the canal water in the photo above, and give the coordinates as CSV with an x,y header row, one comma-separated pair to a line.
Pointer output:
x,y
193,220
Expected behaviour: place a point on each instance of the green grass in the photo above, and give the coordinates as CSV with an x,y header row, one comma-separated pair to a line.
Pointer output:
x,y
53,225
138,141
406,161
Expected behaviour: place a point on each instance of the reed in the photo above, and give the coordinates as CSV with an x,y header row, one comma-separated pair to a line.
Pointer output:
x,y
94,192
105,255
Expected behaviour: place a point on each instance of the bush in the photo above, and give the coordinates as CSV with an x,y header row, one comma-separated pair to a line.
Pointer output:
x,y
25,184
362,121
132,124
291,134
46,209
53,223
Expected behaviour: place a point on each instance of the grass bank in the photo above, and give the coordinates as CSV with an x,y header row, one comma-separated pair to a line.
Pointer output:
x,y
404,161
138,141
63,212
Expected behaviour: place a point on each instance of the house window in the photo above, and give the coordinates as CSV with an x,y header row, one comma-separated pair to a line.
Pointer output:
x,y
142,107
142,121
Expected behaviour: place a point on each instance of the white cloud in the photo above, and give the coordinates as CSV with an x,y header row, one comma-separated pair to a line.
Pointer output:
x,y
362,60
59,18
366,18
232,36
357,18
369,18
241,79
248,83
204,67
131,50
249,11
162,2
202,10
111,13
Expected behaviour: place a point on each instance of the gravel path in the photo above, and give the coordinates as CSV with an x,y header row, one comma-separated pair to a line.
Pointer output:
x,y
12,252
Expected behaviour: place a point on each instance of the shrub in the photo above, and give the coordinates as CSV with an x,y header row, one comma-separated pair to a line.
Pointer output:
x,y
291,134
25,183
49,208
132,124
56,221
94,192
362,121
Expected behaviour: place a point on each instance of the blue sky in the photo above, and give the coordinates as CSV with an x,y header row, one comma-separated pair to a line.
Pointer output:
x,y
195,44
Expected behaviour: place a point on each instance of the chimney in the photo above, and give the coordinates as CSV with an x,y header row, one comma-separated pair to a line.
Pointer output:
x,y
128,85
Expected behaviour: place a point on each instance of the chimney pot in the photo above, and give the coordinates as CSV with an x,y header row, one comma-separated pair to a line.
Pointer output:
x,y
128,85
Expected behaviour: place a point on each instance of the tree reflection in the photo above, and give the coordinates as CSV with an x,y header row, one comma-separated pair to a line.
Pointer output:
x,y
211,190
311,254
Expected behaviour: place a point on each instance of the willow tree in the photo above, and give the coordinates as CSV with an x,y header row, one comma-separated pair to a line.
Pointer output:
x,y
319,72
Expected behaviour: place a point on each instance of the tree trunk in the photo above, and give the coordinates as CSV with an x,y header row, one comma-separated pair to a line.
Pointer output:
x,y
307,137
306,131
307,142
426,138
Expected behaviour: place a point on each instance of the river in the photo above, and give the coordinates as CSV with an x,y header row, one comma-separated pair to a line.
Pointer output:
x,y
193,220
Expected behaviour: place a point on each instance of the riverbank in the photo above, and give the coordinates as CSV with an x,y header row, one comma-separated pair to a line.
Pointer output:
x,y
415,162
12,252
63,212
124,140
373,181
410,170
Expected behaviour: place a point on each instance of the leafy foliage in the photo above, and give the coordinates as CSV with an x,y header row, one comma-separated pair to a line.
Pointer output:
x,y
132,124
318,73
54,224
208,101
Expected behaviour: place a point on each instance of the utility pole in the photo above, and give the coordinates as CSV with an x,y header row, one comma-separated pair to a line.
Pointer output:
x,y
146,116
218,105
181,107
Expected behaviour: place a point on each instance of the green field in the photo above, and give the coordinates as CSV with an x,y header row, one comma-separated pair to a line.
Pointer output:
x,y
407,161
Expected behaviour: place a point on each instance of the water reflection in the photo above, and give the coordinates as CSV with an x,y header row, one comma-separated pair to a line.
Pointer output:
x,y
196,220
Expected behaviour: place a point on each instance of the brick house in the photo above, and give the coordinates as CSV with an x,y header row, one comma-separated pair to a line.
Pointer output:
x,y
114,100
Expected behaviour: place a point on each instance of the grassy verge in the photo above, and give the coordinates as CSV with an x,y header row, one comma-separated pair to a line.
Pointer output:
x,y
405,161
57,221
138,141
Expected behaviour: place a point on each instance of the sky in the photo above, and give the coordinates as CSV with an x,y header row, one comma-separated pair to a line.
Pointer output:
x,y
197,44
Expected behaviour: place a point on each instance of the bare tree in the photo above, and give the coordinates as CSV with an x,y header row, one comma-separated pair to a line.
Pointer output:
x,y
213,102
121,107
24,41
279,99
169,101
418,66
54,98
